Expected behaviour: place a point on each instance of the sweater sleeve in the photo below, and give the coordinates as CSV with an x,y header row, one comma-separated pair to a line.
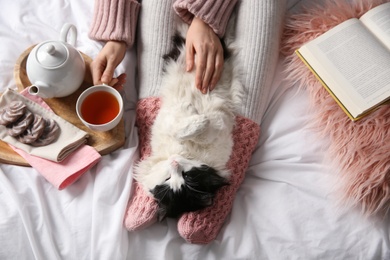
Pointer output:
x,y
115,20
215,13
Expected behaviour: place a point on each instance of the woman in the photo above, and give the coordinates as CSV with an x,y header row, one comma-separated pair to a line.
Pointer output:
x,y
257,33
115,22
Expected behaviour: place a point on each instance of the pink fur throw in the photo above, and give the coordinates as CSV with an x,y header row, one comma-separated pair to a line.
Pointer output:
x,y
360,150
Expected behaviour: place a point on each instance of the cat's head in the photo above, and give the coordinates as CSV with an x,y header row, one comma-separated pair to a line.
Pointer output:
x,y
188,185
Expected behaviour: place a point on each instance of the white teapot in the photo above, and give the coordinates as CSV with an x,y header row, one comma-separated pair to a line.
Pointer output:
x,y
56,68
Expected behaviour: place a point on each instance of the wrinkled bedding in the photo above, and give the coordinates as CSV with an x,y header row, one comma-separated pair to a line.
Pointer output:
x,y
286,208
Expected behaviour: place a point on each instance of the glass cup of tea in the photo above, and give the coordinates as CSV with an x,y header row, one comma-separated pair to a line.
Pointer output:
x,y
100,107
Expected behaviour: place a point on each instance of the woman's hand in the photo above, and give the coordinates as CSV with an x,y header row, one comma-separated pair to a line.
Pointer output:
x,y
104,65
202,41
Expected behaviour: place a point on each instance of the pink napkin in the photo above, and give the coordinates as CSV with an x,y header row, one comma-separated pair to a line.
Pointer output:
x,y
61,174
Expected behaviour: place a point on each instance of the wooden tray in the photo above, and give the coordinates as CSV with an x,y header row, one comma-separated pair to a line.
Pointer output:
x,y
103,142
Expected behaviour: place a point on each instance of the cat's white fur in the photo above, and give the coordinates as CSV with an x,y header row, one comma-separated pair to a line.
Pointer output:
x,y
191,128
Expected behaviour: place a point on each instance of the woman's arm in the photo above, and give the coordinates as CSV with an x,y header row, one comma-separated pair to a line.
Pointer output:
x,y
216,13
208,20
115,22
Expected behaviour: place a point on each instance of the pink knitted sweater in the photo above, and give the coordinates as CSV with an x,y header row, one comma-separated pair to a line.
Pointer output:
x,y
117,19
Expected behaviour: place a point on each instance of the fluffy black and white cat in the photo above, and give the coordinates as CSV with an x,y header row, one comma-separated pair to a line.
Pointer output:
x,y
191,138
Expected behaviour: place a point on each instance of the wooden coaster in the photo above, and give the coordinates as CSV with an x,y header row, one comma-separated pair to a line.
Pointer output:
x,y
103,142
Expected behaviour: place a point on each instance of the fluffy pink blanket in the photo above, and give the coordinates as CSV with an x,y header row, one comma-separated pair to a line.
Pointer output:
x,y
360,150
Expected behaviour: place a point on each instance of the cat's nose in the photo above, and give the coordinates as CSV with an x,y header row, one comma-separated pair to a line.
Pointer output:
x,y
174,164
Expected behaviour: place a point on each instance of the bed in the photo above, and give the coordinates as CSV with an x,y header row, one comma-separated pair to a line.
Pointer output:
x,y
286,207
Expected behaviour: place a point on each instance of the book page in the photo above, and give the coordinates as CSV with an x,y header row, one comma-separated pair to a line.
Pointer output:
x,y
352,63
377,21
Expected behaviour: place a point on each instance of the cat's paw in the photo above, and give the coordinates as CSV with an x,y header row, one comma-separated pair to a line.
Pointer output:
x,y
192,126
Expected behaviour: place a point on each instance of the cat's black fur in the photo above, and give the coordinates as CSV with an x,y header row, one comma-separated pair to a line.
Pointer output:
x,y
197,192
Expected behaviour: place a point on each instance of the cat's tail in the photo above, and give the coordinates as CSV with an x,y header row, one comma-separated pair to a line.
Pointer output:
x,y
237,88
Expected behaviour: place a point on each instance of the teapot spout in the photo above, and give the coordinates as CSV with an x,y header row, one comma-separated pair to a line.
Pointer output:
x,y
42,90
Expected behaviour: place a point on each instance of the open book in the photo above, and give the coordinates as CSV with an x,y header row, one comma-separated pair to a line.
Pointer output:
x,y
352,60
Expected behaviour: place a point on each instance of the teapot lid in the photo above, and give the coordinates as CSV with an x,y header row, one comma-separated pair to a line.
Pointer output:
x,y
51,54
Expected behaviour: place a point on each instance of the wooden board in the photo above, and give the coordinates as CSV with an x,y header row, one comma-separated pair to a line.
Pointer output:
x,y
103,142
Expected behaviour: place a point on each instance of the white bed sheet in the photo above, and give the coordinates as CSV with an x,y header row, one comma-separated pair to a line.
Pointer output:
x,y
285,208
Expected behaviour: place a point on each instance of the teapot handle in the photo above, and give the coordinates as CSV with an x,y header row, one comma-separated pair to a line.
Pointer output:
x,y
68,29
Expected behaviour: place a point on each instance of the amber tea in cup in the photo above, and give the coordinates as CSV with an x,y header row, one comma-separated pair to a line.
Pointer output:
x,y
100,107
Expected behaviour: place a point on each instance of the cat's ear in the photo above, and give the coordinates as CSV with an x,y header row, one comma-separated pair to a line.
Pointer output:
x,y
162,212
216,182
208,201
